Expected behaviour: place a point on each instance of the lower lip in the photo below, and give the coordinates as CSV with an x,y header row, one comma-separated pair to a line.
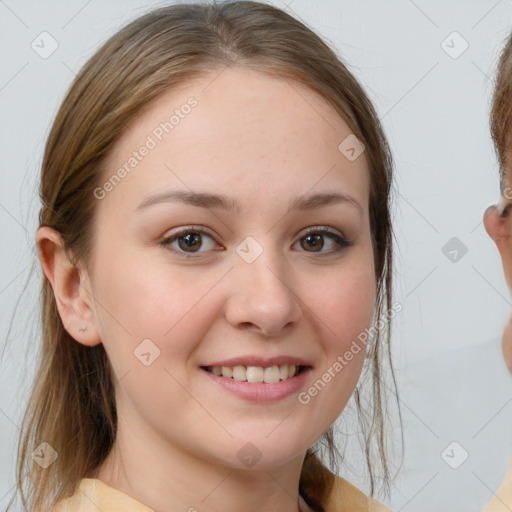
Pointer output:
x,y
260,391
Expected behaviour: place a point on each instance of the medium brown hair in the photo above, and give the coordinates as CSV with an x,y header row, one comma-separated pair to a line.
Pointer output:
x,y
501,111
72,405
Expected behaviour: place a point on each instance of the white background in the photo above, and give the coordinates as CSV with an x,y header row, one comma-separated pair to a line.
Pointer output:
x,y
453,383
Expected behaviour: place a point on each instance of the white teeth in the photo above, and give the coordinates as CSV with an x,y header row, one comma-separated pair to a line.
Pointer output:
x,y
227,371
271,374
256,374
239,373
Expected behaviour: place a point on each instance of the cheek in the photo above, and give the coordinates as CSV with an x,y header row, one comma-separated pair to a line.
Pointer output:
x,y
139,300
350,314
345,304
346,308
343,309
155,320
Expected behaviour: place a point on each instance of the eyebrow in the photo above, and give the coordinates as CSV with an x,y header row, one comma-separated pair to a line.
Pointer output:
x,y
219,202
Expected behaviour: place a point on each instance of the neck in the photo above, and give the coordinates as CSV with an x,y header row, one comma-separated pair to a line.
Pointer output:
x,y
166,479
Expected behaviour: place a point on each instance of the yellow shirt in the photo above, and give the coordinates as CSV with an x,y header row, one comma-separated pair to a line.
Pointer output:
x,y
502,499
94,495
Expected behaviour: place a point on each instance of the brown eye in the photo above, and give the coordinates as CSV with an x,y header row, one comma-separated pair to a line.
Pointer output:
x,y
314,241
189,242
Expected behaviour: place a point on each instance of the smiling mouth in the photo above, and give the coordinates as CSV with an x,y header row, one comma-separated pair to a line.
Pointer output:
x,y
256,374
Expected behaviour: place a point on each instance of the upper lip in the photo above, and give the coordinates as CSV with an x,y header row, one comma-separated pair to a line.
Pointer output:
x,y
264,362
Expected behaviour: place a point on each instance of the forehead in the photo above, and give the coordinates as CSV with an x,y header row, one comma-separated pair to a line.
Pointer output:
x,y
238,129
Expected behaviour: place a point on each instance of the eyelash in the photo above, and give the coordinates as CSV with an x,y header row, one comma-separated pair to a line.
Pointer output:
x,y
341,242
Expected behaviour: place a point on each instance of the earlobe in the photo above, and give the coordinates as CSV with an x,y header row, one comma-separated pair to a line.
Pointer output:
x,y
73,301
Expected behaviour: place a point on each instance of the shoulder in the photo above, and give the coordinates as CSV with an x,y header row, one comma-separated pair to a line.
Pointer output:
x,y
333,493
92,495
345,497
502,499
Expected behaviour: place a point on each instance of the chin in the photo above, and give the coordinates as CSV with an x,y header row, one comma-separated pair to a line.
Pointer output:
x,y
262,455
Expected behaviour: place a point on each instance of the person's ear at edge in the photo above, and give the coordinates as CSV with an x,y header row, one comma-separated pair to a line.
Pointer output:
x,y
74,301
499,228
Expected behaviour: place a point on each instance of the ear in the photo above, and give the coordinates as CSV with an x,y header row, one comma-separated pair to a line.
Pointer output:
x,y
506,343
499,228
70,286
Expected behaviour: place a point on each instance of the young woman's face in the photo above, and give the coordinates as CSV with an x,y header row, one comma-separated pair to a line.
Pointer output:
x,y
181,286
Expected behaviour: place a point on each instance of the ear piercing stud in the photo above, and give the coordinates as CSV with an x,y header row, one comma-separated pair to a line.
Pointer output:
x,y
81,329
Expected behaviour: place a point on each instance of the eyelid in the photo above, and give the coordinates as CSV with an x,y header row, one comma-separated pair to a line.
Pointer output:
x,y
193,227
323,229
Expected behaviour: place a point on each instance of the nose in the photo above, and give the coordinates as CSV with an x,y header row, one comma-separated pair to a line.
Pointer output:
x,y
263,296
